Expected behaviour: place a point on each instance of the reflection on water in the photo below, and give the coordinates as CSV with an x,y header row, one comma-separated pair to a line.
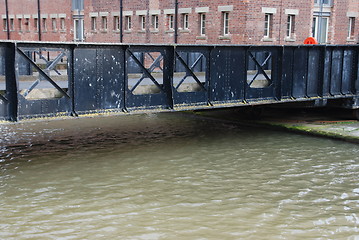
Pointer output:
x,y
172,176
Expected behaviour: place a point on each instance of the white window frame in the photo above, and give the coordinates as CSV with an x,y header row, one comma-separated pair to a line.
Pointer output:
x,y
128,22
171,21
329,3
36,24
116,23
62,24
268,18
19,21
12,24
316,27
54,24
27,24
185,19
78,22
143,22
225,23
4,20
104,23
202,22
93,23
351,27
155,21
290,26
44,24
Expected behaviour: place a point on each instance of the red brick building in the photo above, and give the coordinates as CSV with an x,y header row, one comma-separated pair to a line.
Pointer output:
x,y
198,21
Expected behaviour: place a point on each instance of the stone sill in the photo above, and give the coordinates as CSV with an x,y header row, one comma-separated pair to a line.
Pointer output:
x,y
184,31
142,31
127,31
227,37
290,39
265,39
201,38
155,31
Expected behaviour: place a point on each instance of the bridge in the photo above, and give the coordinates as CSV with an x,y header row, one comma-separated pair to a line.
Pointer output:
x,y
42,79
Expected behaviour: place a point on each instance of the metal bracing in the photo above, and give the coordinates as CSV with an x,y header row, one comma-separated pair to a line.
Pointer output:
x,y
189,71
124,78
42,74
147,72
260,68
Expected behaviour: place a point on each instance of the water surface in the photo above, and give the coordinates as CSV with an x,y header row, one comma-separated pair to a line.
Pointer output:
x,y
173,176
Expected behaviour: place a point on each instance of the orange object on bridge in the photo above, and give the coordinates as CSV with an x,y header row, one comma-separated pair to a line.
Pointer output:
x,y
310,40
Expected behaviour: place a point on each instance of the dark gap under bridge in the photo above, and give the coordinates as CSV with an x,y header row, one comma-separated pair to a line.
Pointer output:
x,y
42,79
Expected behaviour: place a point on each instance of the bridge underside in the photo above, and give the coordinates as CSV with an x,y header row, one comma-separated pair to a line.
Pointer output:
x,y
52,79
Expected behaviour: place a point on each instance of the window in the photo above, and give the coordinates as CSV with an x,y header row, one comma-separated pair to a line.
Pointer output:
x,y
268,25
93,23
44,25
104,23
351,28
171,21
128,23
225,23
325,2
12,27
53,24
78,30
4,24
62,24
185,21
202,26
36,24
154,22
142,22
19,21
290,26
27,24
77,4
116,23
320,29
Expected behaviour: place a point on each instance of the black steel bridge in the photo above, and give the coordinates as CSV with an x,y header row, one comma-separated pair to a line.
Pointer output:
x,y
42,79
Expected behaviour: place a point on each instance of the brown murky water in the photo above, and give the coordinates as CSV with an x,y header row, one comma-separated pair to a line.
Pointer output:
x,y
173,176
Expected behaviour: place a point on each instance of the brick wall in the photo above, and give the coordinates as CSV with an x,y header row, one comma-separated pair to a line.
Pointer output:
x,y
22,10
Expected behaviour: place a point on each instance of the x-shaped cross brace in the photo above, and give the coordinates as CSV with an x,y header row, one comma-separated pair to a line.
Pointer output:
x,y
189,71
260,68
147,72
42,73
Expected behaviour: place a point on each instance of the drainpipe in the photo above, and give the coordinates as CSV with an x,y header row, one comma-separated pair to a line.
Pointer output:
x,y
7,19
121,21
176,21
39,19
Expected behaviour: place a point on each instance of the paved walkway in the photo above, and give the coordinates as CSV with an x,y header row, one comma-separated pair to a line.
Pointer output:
x,y
331,123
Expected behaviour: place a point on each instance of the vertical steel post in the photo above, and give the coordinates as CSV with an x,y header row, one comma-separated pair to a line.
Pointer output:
x,y
39,19
176,21
11,83
121,21
71,65
7,19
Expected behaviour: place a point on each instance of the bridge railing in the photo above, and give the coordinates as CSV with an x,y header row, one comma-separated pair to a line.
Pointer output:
x,y
52,79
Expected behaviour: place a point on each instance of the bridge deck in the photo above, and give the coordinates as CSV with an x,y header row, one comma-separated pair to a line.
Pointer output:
x,y
47,79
